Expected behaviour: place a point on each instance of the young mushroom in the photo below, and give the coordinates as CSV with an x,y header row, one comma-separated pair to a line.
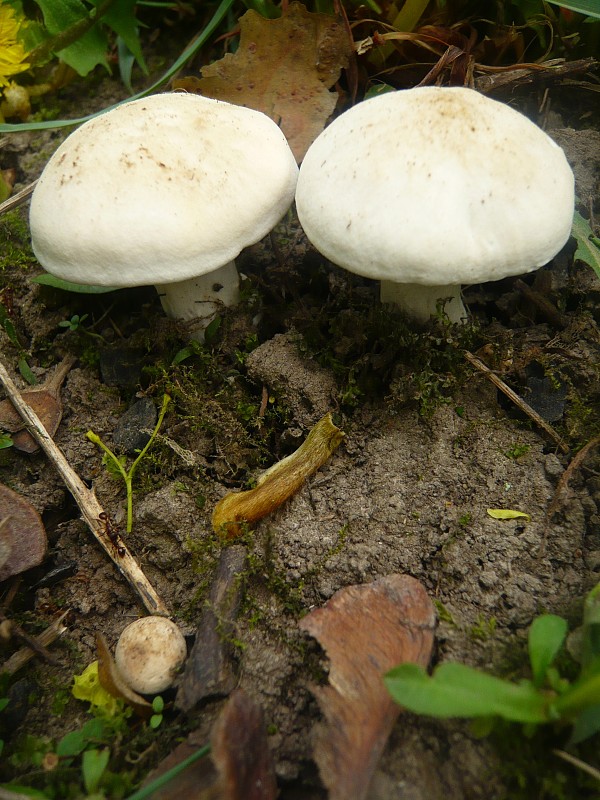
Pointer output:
x,y
430,188
166,190
149,654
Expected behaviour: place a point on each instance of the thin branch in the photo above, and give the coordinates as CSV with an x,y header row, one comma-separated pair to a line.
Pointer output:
x,y
91,510
45,638
518,401
17,199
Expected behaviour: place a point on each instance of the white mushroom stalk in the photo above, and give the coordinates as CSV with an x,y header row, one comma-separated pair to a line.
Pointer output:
x,y
430,188
166,190
201,297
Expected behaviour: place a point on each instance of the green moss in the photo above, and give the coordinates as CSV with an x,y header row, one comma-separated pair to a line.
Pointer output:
x,y
15,250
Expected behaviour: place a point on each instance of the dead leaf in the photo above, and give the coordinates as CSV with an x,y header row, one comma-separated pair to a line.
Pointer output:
x,y
112,680
365,630
240,751
23,540
45,401
283,67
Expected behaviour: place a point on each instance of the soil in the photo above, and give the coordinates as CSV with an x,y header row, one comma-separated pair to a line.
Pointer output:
x,y
430,445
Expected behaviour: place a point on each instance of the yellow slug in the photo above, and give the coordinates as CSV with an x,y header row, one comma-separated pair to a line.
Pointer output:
x,y
279,482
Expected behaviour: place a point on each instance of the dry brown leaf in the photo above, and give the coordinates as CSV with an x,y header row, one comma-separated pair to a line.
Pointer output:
x,y
240,751
365,630
284,68
23,540
45,401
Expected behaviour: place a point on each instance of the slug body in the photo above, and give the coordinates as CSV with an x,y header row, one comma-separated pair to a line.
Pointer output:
x,y
279,482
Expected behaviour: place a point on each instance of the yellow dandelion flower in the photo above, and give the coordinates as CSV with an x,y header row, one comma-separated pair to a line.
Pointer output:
x,y
12,53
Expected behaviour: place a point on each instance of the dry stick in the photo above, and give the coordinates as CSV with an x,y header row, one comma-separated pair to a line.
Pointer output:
x,y
45,638
17,199
561,489
518,401
90,508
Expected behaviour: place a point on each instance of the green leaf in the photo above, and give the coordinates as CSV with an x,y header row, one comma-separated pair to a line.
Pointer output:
x,y
587,250
57,283
507,513
26,372
121,18
455,690
93,764
587,724
546,636
90,49
72,744
589,7
190,51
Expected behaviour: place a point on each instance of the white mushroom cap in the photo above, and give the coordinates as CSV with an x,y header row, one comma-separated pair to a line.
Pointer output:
x,y
435,186
159,190
149,653
166,190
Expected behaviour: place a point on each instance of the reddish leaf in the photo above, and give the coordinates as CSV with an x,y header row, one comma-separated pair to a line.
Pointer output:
x,y
284,68
365,630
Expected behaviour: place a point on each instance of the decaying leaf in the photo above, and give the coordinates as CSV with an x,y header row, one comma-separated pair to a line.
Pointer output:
x,y
284,68
240,751
23,540
279,482
111,680
45,401
507,513
365,631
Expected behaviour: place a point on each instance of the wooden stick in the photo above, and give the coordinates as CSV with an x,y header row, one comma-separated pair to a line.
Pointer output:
x,y
17,199
91,510
46,637
518,401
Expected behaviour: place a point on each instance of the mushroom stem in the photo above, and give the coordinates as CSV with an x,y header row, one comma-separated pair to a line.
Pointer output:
x,y
421,302
201,297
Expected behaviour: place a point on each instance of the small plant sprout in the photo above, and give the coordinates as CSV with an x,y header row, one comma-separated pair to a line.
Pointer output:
x,y
116,464
457,690
73,324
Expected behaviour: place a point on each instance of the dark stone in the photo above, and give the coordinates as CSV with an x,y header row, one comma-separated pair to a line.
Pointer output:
x,y
132,432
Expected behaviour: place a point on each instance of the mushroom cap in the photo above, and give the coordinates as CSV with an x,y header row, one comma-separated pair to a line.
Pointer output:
x,y
435,186
159,190
149,653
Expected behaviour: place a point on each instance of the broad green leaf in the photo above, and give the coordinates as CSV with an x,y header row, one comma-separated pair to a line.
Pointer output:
x,y
455,690
90,49
507,513
587,251
57,283
589,7
93,764
198,42
71,744
546,636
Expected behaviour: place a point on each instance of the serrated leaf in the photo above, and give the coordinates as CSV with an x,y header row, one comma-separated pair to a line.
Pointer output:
x,y
587,250
455,690
90,49
546,636
57,283
507,513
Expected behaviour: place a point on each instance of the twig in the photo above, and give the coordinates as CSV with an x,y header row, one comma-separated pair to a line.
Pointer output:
x,y
17,199
548,309
563,483
46,637
518,401
577,762
91,510
31,642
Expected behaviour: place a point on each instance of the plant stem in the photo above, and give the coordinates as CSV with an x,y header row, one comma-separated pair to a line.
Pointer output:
x,y
128,475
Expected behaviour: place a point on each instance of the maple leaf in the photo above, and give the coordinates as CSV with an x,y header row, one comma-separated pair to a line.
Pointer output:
x,y
283,67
